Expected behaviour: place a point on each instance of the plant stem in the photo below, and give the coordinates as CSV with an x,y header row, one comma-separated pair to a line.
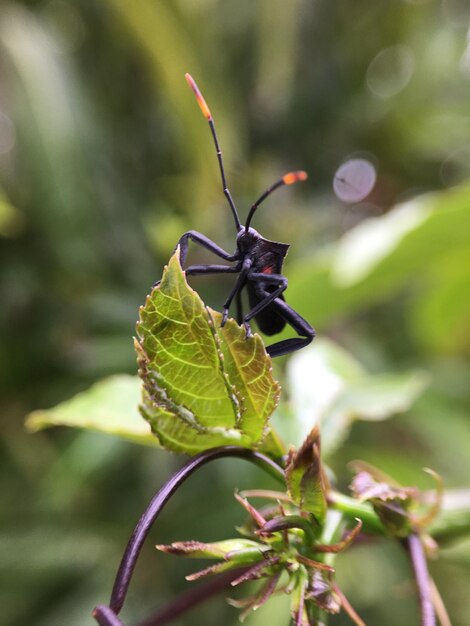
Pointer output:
x,y
156,505
418,560
439,605
106,616
353,508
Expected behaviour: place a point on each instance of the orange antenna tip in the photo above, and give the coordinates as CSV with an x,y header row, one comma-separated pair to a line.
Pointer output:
x,y
199,97
294,177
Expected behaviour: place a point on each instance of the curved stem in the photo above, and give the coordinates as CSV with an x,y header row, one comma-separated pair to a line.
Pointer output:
x,y
418,559
106,616
145,523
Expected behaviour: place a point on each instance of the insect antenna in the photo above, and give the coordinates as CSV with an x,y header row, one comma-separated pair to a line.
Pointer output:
x,y
287,179
207,114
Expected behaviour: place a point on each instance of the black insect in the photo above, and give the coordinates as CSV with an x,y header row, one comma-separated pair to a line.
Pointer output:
x,y
258,263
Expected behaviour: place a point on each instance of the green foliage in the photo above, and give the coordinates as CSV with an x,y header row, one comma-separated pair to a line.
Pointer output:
x,y
423,244
204,385
282,547
110,406
207,385
306,484
329,387
110,163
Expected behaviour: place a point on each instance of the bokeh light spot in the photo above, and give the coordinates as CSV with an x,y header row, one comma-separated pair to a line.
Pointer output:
x,y
354,180
390,71
455,168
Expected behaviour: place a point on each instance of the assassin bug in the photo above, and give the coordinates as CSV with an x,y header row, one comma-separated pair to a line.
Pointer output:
x,y
258,263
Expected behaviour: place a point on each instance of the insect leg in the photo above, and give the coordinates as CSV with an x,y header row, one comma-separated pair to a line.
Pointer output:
x,y
200,270
205,242
259,277
239,305
301,326
236,290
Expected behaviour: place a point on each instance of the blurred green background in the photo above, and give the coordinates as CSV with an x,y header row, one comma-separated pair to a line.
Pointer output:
x,y
105,160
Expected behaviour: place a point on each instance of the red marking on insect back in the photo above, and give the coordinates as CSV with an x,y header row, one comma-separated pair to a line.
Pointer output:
x,y
199,97
267,270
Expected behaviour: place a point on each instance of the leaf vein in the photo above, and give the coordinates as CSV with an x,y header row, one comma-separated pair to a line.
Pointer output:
x,y
177,358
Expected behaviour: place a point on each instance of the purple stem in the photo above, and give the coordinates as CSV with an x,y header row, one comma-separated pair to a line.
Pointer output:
x,y
145,523
106,616
418,559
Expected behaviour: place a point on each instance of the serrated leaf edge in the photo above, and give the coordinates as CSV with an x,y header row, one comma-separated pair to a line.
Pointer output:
x,y
161,399
231,390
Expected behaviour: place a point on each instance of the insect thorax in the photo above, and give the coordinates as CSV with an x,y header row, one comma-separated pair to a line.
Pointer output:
x,y
267,255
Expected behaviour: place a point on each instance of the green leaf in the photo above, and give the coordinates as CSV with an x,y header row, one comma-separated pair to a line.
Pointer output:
x,y
238,550
204,385
109,406
440,318
375,398
304,477
366,246
332,389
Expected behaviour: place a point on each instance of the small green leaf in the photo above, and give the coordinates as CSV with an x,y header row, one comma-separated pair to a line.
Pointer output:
x,y
204,385
304,477
109,406
238,550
